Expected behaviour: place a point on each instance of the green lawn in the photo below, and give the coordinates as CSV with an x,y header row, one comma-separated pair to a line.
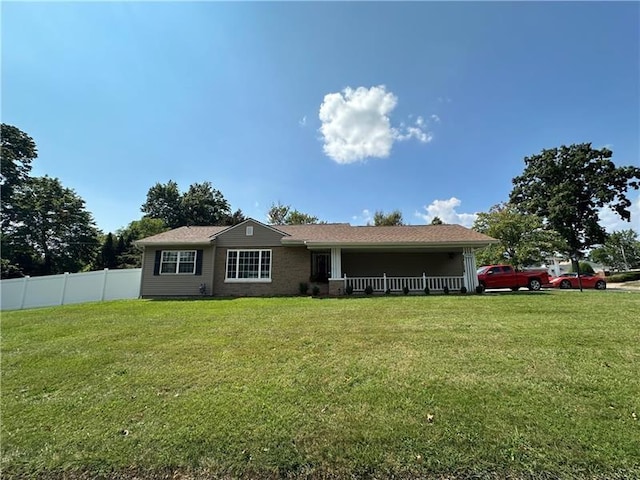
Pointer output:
x,y
518,385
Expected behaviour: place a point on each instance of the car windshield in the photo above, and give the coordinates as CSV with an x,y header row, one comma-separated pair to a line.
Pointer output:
x,y
481,270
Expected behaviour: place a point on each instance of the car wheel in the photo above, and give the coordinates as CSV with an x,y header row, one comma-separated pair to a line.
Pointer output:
x,y
534,284
601,285
565,284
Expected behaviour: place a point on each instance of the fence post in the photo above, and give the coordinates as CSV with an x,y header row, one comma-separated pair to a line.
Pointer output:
x,y
24,291
424,281
64,287
384,282
104,284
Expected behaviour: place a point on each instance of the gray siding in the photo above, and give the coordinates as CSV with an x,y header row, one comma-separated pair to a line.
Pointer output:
x,y
236,237
289,267
399,264
175,285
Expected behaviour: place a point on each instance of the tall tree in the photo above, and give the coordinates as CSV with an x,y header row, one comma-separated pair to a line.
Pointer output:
x,y
128,255
277,214
107,258
164,202
17,151
55,233
280,214
204,205
437,221
523,238
567,186
145,227
298,218
380,219
201,204
235,218
620,251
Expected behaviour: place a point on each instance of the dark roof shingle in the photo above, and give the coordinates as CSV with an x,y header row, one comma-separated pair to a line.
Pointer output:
x,y
405,234
186,235
337,234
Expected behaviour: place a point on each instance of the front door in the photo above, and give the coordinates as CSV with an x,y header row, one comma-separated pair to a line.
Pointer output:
x,y
320,266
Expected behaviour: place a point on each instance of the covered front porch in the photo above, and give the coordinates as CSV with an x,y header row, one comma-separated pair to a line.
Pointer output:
x,y
393,269
397,284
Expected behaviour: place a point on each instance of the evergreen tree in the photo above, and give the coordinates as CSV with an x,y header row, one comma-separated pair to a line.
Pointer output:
x,y
108,253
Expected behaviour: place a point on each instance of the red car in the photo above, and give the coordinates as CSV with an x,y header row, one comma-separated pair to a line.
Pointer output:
x,y
504,276
570,280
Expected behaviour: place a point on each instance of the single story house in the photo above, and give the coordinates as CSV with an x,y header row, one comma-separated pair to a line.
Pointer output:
x,y
254,259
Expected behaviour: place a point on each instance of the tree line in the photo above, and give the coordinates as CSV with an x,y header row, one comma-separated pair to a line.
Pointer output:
x,y
46,228
552,210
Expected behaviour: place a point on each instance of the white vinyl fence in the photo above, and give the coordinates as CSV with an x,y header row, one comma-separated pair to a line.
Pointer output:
x,y
32,292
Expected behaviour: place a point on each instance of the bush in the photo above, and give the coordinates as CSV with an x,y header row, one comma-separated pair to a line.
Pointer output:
x,y
387,291
349,290
303,287
427,291
405,290
479,289
315,291
463,290
446,290
368,290
623,277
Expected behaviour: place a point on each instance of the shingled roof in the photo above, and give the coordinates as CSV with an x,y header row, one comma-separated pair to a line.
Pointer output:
x,y
183,235
337,234
345,234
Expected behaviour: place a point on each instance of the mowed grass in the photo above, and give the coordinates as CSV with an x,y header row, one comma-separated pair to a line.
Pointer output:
x,y
543,385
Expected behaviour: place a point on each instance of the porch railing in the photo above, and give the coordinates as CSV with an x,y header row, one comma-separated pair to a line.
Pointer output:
x,y
397,284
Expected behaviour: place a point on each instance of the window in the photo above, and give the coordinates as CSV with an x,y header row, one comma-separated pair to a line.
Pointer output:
x,y
248,265
174,261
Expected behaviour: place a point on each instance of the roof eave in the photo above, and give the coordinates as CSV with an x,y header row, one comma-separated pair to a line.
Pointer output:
x,y
330,244
177,243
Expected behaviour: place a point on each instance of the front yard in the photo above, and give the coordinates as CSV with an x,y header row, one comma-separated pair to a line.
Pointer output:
x,y
541,385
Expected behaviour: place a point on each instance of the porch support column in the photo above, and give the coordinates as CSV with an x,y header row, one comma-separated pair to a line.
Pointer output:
x,y
336,263
470,276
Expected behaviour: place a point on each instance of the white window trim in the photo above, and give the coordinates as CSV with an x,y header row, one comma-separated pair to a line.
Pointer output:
x,y
247,280
178,272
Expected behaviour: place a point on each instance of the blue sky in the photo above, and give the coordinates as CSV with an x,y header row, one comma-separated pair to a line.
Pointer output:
x,y
337,109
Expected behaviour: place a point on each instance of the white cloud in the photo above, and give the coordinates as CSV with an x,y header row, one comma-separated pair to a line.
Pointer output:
x,y
435,118
446,211
356,124
364,218
303,121
611,221
418,132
